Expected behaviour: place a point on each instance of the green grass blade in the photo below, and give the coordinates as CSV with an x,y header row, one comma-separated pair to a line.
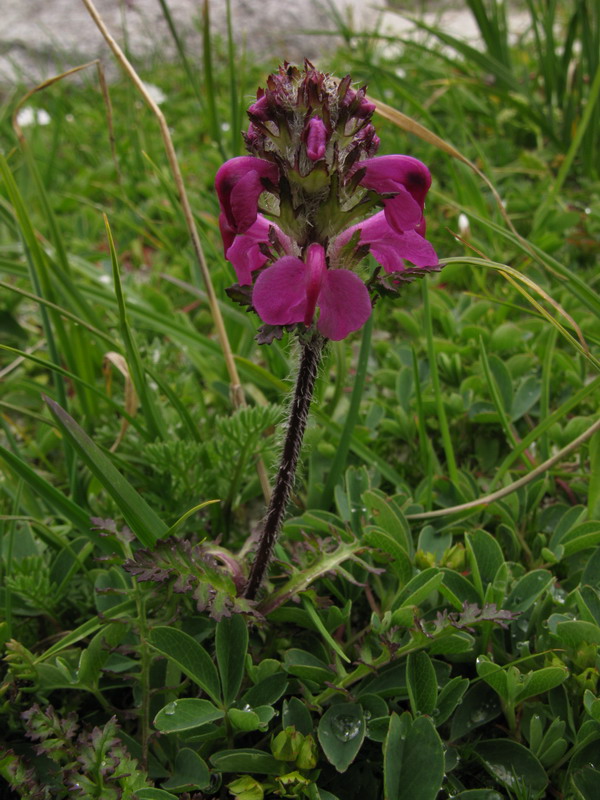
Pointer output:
x,y
435,381
142,520
76,379
343,448
185,63
209,80
150,408
544,426
496,398
55,499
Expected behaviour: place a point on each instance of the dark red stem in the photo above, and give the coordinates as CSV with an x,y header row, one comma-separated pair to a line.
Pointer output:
x,y
305,384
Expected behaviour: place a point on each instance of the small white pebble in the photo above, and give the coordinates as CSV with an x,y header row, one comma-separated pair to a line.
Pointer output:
x,y
31,116
43,117
155,93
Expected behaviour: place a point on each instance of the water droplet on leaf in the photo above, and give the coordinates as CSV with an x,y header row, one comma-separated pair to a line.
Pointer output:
x,y
478,716
345,728
170,709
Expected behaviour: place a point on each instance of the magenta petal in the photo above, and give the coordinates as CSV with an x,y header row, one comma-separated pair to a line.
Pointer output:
x,y
244,200
316,139
344,302
279,295
316,270
245,252
259,109
227,233
389,247
239,184
416,249
385,174
402,212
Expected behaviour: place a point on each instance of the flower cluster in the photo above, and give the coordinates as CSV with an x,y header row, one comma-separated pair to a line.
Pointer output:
x,y
299,214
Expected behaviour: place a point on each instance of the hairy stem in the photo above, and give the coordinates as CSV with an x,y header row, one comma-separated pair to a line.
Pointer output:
x,y
310,358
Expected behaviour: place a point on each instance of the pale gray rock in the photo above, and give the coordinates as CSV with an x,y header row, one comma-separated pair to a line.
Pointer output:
x,y
40,38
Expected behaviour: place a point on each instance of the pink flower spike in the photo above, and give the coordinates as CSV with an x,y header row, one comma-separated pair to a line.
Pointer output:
x,y
245,252
316,139
239,184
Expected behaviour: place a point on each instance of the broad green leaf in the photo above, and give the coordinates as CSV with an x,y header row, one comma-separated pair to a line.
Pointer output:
x,y
479,706
185,714
542,680
485,557
297,714
449,699
323,794
458,590
341,732
244,719
139,516
191,658
400,563
387,515
94,657
154,794
113,578
527,590
503,381
373,706
451,643
247,760
421,683
413,759
525,397
231,644
494,675
594,481
267,691
592,705
305,665
190,771
586,782
581,543
418,589
393,748
509,763
389,682
575,632
591,573
434,541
